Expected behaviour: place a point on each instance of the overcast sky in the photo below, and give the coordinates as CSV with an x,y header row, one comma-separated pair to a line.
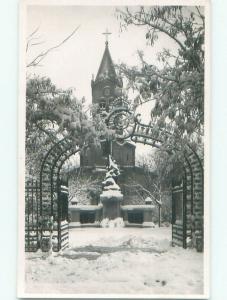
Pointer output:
x,y
73,64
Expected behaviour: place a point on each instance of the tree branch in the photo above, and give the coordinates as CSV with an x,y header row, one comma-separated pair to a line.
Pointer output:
x,y
201,16
144,189
42,55
154,26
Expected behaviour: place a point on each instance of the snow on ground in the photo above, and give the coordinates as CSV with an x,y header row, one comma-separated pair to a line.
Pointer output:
x,y
117,260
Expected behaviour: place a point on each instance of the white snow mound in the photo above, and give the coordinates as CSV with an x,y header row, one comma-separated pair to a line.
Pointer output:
x,y
116,223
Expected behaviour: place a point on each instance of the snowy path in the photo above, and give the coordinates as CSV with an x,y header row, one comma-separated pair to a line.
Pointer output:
x,y
118,260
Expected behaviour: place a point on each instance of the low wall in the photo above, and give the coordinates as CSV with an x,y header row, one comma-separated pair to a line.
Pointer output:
x,y
77,211
140,215
143,214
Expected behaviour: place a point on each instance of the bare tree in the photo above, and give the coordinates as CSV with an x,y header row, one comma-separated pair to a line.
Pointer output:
x,y
34,40
157,182
80,187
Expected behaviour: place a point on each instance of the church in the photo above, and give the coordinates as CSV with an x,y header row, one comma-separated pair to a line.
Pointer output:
x,y
135,208
106,88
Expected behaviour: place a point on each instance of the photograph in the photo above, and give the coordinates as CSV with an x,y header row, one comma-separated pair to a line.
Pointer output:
x,y
113,149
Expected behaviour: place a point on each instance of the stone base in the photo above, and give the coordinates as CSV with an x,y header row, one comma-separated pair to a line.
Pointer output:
x,y
79,225
110,195
74,225
111,210
117,223
111,201
76,210
148,224
127,224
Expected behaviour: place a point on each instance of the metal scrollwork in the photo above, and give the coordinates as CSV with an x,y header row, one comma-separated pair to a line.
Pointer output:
x,y
122,121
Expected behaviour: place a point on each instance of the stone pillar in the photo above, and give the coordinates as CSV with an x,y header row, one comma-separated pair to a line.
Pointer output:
x,y
98,214
125,216
148,216
74,213
111,204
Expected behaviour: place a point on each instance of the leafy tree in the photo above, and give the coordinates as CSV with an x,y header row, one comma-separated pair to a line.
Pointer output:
x,y
176,84
52,114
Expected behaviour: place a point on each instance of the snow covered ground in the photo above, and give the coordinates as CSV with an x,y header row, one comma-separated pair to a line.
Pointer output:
x,y
117,260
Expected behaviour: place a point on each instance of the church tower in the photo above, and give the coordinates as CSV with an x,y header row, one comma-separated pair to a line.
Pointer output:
x,y
107,87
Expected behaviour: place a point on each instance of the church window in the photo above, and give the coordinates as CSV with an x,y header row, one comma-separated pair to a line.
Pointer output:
x,y
106,91
102,105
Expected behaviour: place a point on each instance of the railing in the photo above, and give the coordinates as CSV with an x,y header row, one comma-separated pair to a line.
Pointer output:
x,y
32,193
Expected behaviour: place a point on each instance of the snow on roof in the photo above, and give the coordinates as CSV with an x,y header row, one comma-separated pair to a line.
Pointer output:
x,y
111,193
138,207
148,199
85,207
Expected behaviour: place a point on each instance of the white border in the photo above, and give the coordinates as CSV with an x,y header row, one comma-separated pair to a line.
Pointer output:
x,y
21,136
21,148
207,134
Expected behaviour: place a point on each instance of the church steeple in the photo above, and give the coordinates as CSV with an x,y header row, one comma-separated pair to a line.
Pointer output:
x,y
106,69
106,85
106,89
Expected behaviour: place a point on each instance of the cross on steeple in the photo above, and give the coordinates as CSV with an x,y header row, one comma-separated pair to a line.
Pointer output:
x,y
106,34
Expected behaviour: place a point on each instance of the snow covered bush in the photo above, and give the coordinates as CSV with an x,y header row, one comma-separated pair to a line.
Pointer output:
x,y
116,223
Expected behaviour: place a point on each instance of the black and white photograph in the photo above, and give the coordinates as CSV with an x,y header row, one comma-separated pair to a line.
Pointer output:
x,y
113,149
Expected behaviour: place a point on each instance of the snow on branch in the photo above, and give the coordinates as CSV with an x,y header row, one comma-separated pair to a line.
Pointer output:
x,y
139,186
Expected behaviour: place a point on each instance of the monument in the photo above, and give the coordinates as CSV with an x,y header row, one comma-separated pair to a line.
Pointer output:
x,y
112,208
111,195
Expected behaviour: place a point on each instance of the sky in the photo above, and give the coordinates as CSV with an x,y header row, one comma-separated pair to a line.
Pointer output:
x,y
74,62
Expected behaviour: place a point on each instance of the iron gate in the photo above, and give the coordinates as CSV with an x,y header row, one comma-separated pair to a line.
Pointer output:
x,y
40,229
32,195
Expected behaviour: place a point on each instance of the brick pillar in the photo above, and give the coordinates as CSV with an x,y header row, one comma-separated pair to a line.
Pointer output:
x,y
197,201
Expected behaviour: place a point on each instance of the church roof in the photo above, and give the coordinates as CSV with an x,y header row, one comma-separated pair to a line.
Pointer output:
x,y
106,69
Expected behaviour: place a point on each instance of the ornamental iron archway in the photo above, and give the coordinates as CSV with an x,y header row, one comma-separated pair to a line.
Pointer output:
x,y
187,196
48,198
54,192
